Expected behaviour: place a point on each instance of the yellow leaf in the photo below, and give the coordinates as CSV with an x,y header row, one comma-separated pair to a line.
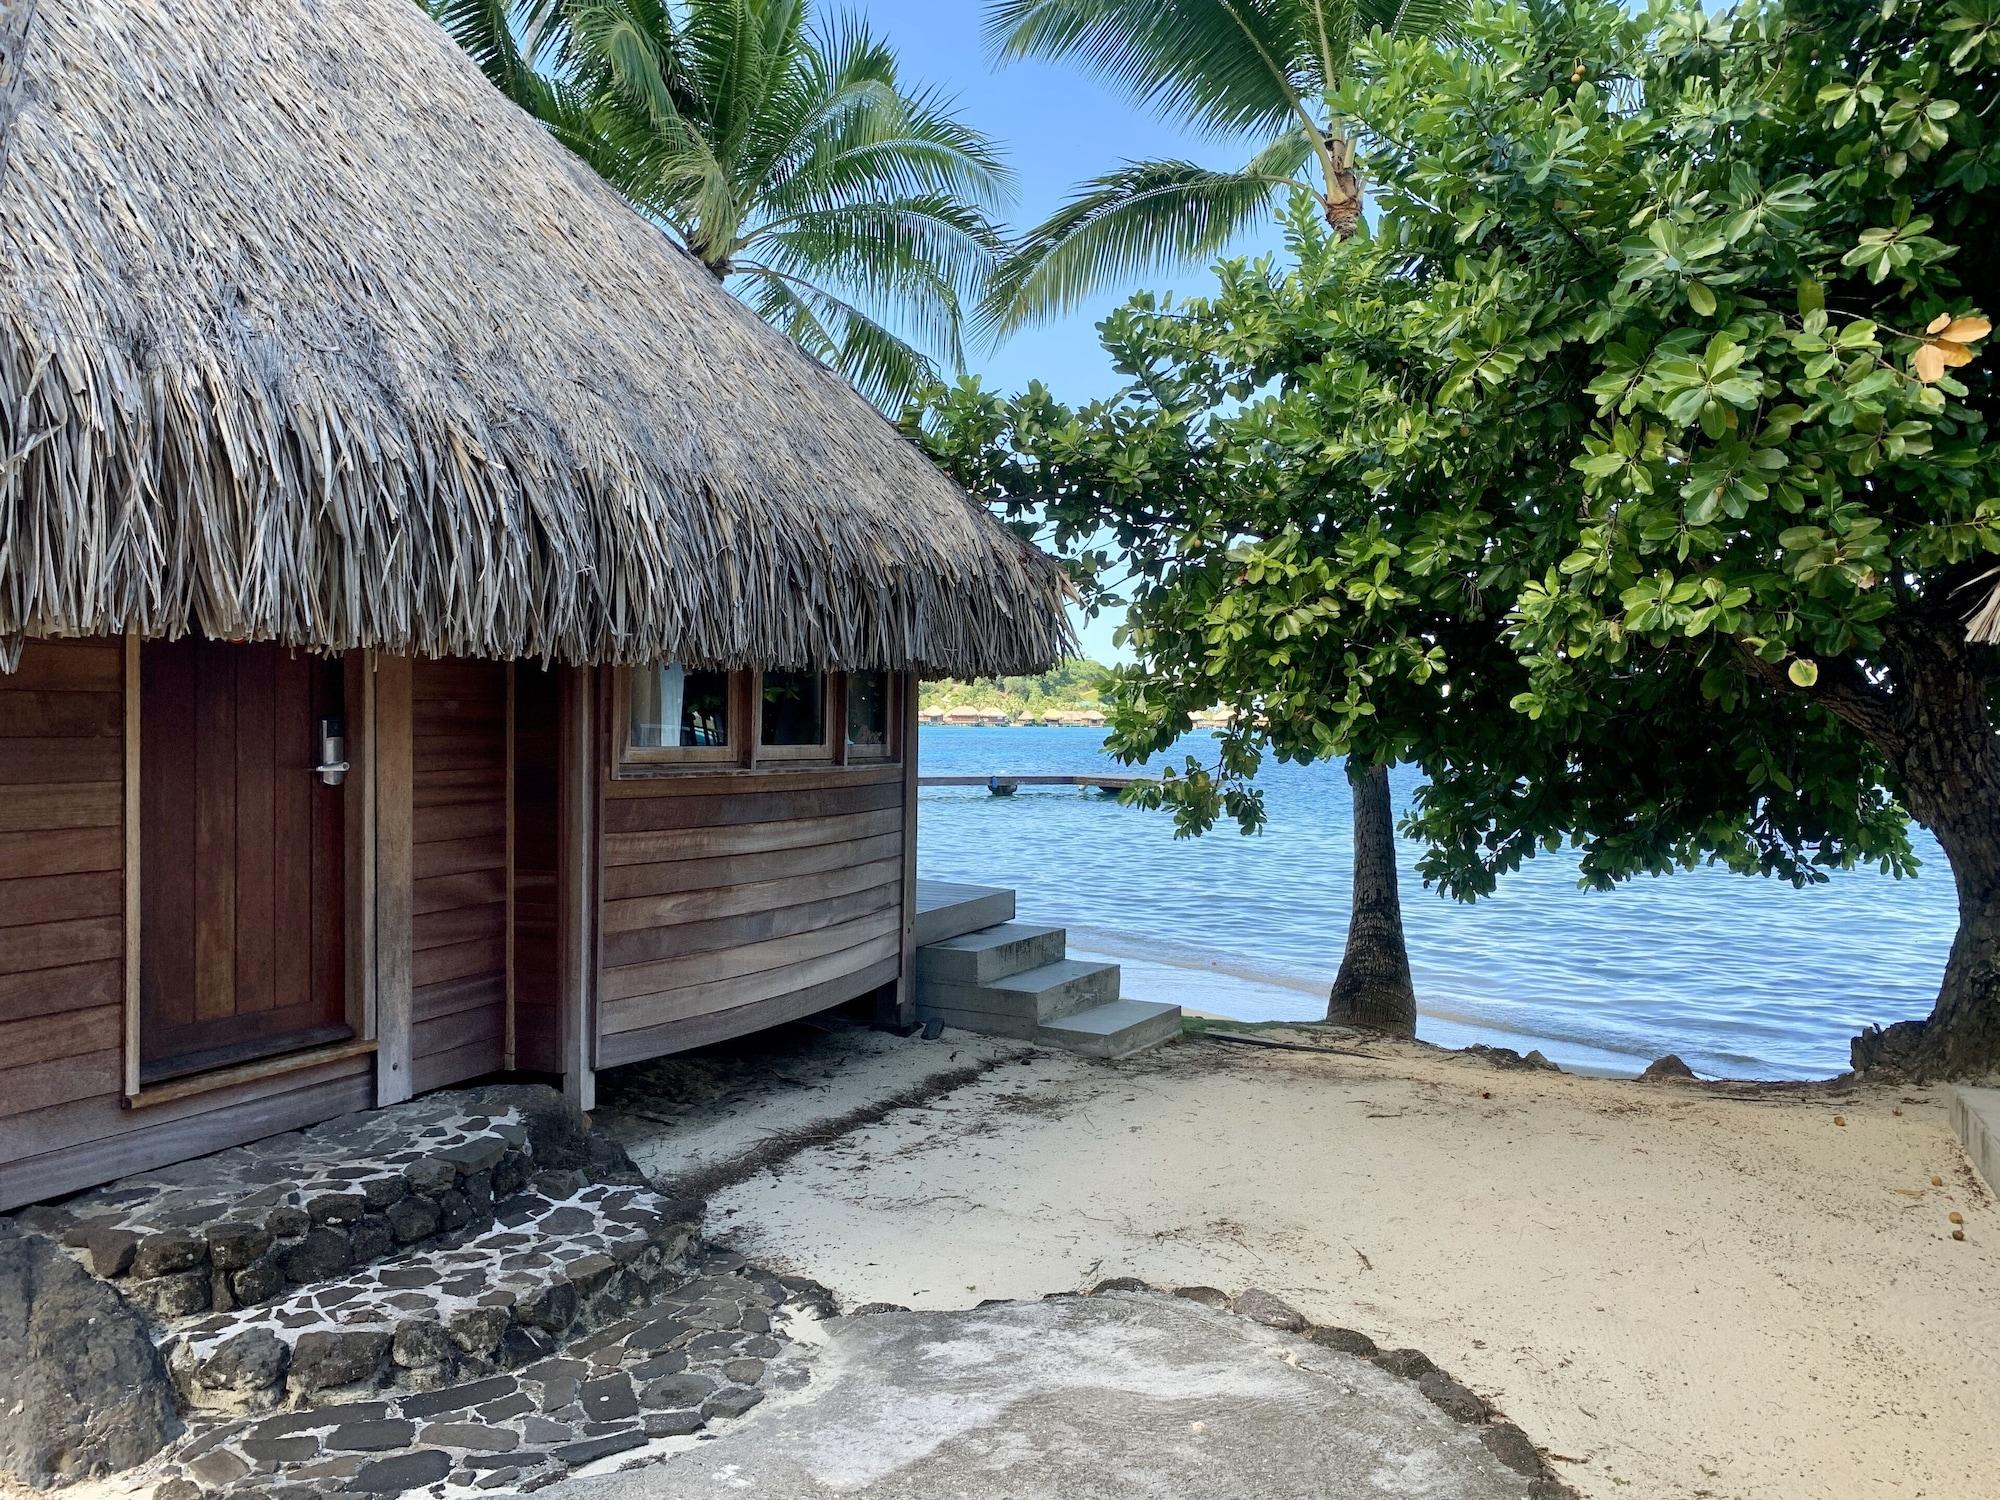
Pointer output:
x,y
1966,330
1954,354
1938,324
1930,363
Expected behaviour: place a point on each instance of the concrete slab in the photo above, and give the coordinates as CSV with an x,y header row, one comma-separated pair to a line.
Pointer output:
x,y
948,910
1034,995
995,953
697,1119
1975,1114
1115,1030
1120,1397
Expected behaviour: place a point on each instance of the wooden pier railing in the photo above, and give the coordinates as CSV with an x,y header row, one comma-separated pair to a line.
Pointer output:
x,y
1003,785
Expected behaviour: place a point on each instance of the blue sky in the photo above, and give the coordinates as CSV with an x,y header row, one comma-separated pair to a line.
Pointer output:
x,y
1058,125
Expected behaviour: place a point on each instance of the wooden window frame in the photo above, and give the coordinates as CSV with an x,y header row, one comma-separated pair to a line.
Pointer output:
x,y
833,729
891,751
750,754
654,758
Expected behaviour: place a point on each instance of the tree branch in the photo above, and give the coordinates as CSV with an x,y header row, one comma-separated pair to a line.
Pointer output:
x,y
1844,691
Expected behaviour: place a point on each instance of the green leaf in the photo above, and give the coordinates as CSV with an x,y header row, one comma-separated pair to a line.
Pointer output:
x,y
1701,299
1802,672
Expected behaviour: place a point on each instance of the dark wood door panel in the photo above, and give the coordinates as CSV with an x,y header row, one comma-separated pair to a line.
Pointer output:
x,y
242,865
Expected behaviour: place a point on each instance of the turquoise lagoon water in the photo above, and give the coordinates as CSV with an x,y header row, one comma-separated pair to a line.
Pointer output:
x,y
1742,978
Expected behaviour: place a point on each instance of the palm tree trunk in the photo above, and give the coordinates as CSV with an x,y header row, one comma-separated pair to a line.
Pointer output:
x,y
1373,988
1343,187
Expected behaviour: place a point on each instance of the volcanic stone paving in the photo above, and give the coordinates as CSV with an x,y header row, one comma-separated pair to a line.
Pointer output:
x,y
242,1227
696,1354
499,1300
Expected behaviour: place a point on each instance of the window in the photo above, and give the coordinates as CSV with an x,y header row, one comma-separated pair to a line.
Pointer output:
x,y
793,717
673,715
868,714
676,714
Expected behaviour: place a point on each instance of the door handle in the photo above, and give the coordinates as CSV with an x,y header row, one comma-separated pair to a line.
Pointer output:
x,y
332,768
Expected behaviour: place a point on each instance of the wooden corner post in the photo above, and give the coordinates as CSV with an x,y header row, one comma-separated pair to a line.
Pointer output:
x,y
395,877
577,778
898,1010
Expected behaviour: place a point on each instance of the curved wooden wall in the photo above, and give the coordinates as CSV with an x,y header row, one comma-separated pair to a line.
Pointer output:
x,y
738,900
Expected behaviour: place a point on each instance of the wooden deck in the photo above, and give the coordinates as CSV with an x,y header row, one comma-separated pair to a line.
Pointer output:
x,y
1002,784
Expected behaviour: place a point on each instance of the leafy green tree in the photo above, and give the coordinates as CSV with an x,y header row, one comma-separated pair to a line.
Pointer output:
x,y
1259,68
791,159
1635,480
1256,69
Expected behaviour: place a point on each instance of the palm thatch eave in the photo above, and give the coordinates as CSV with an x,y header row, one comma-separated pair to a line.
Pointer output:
x,y
308,335
1982,626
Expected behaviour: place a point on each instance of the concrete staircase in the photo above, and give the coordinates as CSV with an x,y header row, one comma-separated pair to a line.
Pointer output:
x,y
980,970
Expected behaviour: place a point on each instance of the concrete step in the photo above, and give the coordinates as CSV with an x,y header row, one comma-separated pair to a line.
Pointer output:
x,y
991,954
1975,1113
948,910
1118,1029
1019,1004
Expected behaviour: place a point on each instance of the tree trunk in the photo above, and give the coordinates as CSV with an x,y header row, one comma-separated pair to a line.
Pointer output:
x,y
1373,988
1341,201
1948,764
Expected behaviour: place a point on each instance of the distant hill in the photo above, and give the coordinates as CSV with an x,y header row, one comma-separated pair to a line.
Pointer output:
x,y
1070,694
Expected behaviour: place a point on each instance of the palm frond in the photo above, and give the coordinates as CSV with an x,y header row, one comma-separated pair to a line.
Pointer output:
x,y
1146,216
1225,65
919,260
788,156
501,36
884,368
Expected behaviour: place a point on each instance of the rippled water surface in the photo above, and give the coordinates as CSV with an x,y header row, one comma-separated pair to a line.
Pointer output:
x,y
1745,978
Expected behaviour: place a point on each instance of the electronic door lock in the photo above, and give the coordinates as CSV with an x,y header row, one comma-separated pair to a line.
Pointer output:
x,y
332,767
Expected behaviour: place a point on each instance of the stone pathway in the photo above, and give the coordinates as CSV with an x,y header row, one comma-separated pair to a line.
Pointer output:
x,y
697,1354
500,1299
242,1227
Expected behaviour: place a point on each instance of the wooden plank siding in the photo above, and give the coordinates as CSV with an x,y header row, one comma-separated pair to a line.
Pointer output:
x,y
63,952
736,900
460,816
62,892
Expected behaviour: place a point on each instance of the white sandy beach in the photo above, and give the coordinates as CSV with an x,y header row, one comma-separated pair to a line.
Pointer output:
x,y
1679,1292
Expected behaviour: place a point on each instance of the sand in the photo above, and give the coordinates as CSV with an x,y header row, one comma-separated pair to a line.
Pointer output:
x,y
1676,1291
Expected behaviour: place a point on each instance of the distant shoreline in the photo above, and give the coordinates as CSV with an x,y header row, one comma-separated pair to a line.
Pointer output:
x,y
1062,718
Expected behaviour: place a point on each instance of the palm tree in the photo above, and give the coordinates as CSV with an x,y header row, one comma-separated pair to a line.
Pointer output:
x,y
850,210
1256,68
1235,68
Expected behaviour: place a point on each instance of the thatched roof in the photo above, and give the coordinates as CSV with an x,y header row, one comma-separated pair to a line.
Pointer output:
x,y
307,334
1982,626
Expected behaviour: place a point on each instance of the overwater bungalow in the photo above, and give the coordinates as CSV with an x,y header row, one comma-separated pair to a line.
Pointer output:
x,y
443,632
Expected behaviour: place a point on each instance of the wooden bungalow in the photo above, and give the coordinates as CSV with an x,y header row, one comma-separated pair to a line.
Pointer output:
x,y
441,632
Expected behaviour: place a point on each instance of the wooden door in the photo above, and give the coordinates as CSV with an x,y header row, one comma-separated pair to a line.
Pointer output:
x,y
242,859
